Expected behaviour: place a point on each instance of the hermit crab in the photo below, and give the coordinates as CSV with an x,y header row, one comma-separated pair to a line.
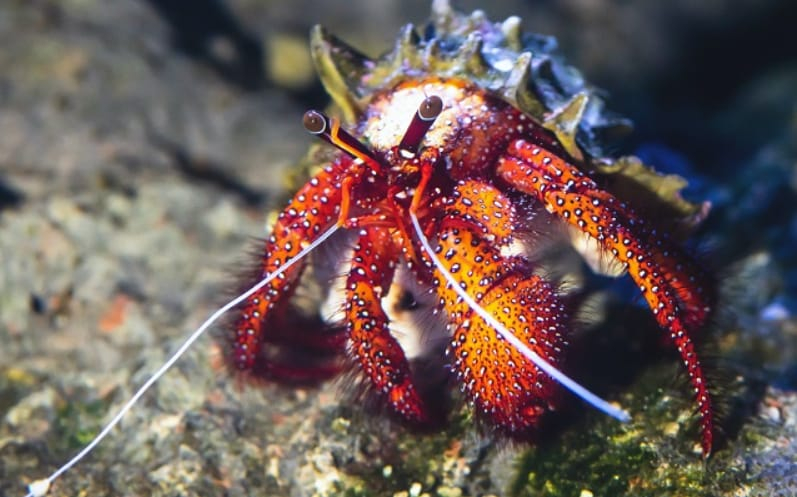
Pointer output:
x,y
446,152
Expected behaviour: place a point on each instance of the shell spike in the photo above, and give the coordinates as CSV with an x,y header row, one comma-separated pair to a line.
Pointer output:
x,y
340,67
432,50
511,29
515,87
442,13
564,122
470,56
518,77
405,51
477,18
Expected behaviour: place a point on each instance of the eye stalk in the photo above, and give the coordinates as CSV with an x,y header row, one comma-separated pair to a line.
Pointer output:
x,y
430,108
328,129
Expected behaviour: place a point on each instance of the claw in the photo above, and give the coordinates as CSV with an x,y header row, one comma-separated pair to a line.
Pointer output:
x,y
491,300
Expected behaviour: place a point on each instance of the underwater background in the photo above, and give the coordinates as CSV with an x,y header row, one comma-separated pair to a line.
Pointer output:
x,y
143,144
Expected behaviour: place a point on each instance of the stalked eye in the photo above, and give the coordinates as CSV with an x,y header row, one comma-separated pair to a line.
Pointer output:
x,y
329,129
430,108
314,122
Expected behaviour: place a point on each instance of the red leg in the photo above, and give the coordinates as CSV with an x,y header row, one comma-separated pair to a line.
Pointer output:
x,y
308,334
379,355
312,210
294,373
671,284
502,383
301,351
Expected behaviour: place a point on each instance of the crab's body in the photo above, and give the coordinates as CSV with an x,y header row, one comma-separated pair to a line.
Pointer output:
x,y
474,179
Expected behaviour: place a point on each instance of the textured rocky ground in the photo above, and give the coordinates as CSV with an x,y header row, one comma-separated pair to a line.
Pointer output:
x,y
138,160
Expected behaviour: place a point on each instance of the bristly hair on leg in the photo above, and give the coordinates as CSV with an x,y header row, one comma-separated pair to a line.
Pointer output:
x,y
738,384
299,340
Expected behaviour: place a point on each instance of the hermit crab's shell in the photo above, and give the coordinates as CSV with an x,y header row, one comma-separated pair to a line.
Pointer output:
x,y
523,68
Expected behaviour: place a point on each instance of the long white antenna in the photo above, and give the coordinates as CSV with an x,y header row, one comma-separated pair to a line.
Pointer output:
x,y
547,367
40,487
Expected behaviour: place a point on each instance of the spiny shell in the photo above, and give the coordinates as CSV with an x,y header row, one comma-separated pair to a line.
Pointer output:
x,y
523,68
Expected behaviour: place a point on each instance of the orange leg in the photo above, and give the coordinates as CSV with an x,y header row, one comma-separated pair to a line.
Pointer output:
x,y
671,284
504,386
312,210
378,353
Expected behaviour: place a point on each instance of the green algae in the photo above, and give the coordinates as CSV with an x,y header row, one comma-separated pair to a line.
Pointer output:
x,y
656,454
77,423
400,461
15,383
